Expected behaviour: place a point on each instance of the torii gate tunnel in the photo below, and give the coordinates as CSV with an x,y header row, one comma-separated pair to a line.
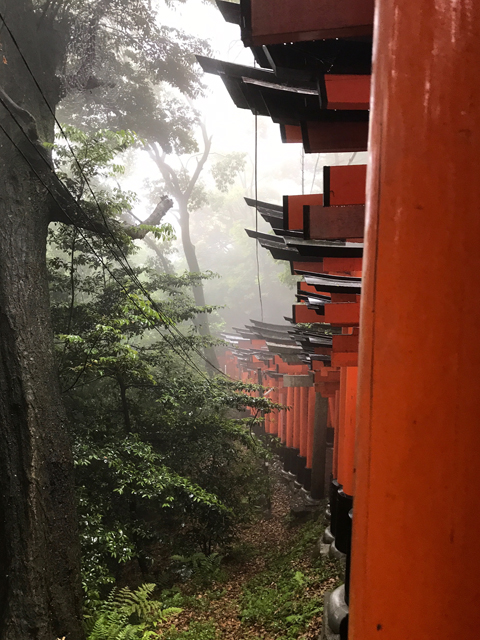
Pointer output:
x,y
393,273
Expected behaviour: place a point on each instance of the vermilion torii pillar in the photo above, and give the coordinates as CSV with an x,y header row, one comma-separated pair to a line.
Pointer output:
x,y
416,553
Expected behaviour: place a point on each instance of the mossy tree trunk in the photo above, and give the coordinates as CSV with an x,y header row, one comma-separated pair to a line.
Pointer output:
x,y
40,590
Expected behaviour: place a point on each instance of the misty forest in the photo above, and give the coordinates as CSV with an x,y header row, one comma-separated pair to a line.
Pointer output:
x,y
140,496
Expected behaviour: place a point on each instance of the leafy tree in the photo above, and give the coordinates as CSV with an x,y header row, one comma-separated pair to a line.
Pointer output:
x,y
156,456
40,594
138,103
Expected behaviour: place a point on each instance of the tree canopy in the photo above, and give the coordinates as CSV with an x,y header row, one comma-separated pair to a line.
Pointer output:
x,y
51,50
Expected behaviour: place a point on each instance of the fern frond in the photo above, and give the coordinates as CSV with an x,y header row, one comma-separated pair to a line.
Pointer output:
x,y
114,621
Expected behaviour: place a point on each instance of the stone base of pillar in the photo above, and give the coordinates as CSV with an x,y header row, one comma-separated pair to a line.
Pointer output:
x,y
290,462
307,479
327,536
335,615
335,553
301,464
289,477
307,496
323,549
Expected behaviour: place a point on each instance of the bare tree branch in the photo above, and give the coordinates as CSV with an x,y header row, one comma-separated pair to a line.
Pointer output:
x,y
152,244
201,163
166,170
66,209
153,219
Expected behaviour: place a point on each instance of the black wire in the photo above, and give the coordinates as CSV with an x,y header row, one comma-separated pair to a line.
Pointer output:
x,y
314,173
52,194
256,216
127,265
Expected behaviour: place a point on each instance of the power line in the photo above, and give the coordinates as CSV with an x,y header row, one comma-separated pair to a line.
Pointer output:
x,y
256,210
127,266
52,194
256,216
314,174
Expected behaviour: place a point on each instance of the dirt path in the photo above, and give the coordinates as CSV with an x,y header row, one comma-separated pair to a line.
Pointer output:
x,y
220,604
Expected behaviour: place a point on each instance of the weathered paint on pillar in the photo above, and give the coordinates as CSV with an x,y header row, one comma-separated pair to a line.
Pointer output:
x,y
303,420
415,556
297,417
319,447
290,412
311,426
349,377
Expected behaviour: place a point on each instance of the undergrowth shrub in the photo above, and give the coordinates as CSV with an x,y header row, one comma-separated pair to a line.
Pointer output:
x,y
175,597
196,631
282,607
286,596
200,568
128,615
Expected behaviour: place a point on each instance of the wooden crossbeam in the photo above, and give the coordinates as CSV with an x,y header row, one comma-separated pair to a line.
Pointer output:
x,y
317,19
333,223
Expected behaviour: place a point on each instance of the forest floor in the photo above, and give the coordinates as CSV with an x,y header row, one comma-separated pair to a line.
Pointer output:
x,y
270,587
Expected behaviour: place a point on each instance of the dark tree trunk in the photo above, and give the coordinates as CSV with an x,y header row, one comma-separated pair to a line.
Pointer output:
x,y
201,321
40,590
125,408
40,595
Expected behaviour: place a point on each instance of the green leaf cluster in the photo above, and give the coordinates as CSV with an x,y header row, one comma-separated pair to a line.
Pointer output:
x,y
164,461
196,631
287,595
128,615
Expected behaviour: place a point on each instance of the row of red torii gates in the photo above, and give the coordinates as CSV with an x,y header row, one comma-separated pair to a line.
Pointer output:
x,y
382,347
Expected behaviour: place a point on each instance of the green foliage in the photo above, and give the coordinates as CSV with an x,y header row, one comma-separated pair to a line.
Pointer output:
x,y
88,164
196,631
150,435
226,169
160,467
280,600
162,233
200,568
124,68
280,608
283,598
128,615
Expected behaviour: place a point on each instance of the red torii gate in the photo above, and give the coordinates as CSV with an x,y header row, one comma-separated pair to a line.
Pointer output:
x,y
422,230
